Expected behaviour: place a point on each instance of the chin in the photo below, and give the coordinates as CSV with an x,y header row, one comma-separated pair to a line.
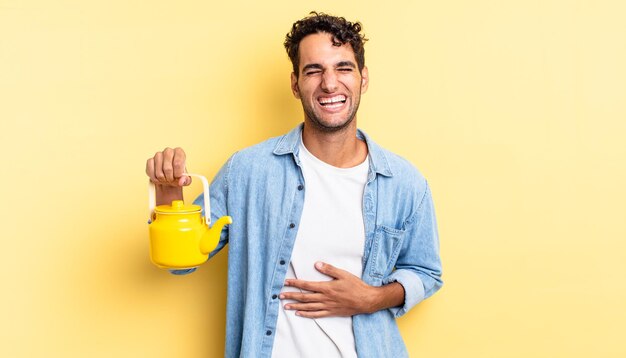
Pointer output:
x,y
330,127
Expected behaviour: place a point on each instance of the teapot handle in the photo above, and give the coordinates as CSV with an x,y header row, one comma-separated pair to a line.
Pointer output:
x,y
206,196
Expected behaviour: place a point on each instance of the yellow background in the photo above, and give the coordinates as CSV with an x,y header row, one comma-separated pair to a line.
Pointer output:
x,y
514,110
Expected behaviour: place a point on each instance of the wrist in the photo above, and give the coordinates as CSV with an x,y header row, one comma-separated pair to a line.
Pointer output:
x,y
387,296
166,194
375,299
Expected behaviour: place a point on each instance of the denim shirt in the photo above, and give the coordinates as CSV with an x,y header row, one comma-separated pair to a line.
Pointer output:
x,y
262,189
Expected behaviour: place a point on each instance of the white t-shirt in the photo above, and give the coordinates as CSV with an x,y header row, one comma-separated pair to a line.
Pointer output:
x,y
332,231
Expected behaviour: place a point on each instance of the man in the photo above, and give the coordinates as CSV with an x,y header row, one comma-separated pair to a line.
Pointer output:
x,y
333,237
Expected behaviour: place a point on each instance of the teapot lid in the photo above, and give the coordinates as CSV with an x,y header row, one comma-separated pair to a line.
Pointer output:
x,y
177,207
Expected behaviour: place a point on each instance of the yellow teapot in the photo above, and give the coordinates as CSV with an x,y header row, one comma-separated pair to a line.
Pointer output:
x,y
180,237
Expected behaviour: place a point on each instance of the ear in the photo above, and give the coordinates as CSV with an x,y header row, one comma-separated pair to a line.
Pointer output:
x,y
294,86
365,79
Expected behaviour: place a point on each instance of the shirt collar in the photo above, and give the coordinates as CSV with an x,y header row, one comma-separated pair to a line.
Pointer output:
x,y
288,144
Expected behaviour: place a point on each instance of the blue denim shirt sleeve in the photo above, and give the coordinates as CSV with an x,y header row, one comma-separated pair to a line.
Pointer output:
x,y
418,268
219,195
183,272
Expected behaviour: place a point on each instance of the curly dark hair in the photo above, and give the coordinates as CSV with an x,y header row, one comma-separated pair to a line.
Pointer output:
x,y
342,30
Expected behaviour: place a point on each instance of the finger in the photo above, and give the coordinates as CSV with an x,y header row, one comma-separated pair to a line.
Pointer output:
x,y
307,285
330,270
313,314
316,306
168,167
178,162
150,170
184,180
158,168
302,297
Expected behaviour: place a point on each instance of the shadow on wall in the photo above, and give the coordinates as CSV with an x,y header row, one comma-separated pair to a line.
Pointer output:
x,y
133,291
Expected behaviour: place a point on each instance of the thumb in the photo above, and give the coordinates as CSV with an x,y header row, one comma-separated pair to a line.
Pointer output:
x,y
184,180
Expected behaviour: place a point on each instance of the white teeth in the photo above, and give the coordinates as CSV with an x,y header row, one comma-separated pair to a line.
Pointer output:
x,y
334,99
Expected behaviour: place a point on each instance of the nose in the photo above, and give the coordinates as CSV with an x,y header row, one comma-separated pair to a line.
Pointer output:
x,y
329,81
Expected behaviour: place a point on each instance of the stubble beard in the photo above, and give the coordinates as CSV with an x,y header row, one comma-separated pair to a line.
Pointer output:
x,y
315,120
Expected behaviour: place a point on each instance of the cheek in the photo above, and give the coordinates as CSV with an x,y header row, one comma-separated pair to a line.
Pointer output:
x,y
353,82
304,90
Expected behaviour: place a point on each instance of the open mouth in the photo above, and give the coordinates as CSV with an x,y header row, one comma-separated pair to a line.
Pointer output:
x,y
332,102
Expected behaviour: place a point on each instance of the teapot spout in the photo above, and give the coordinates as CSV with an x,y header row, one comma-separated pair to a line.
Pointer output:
x,y
212,236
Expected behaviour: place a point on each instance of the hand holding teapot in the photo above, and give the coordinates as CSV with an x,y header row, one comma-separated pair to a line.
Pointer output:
x,y
166,169
180,238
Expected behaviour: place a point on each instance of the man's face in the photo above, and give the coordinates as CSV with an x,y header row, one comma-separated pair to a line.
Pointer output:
x,y
329,83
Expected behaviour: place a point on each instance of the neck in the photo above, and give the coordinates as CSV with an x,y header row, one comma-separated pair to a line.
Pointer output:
x,y
340,149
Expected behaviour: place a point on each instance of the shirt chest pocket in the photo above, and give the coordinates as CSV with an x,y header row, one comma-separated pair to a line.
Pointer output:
x,y
385,249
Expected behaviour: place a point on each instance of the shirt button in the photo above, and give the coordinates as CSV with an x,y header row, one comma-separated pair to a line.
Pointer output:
x,y
282,262
268,333
292,225
300,187
274,297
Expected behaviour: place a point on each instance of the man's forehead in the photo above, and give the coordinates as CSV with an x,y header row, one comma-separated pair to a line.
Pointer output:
x,y
320,47
323,39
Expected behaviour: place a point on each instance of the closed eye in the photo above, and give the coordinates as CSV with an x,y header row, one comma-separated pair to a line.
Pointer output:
x,y
345,66
312,69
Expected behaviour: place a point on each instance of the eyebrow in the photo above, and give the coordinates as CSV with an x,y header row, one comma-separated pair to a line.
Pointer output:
x,y
317,66
346,64
312,66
